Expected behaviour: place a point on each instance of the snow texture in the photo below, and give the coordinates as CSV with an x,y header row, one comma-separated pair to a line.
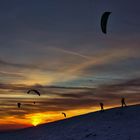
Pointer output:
x,y
112,124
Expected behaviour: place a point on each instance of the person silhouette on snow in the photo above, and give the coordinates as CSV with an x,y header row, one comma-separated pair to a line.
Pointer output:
x,y
123,102
102,106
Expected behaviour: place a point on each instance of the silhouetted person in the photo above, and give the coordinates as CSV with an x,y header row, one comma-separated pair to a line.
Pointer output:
x,y
123,102
18,104
102,106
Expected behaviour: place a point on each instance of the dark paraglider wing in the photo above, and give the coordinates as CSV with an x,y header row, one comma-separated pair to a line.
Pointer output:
x,y
33,90
104,21
64,114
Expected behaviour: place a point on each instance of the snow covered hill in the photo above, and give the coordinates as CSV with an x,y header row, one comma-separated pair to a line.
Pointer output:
x,y
112,124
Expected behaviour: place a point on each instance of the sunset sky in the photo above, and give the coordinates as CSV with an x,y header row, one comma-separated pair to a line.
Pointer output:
x,y
57,47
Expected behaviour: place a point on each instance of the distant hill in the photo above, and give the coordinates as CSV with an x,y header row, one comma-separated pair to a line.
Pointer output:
x,y
112,124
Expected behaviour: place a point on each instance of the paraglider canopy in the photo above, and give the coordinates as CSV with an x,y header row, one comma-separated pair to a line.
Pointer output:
x,y
104,21
35,91
64,114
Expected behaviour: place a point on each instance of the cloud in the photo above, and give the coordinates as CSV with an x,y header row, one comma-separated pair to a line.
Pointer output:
x,y
12,75
110,56
68,68
55,98
72,53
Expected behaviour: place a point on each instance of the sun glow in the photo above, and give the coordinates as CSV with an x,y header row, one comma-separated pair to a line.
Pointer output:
x,y
38,119
45,117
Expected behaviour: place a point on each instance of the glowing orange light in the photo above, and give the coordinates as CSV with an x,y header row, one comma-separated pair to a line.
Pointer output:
x,y
42,117
38,119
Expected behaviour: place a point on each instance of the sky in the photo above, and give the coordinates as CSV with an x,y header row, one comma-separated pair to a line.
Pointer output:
x,y
58,48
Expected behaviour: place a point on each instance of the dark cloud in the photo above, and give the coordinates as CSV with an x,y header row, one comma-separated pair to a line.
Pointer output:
x,y
69,98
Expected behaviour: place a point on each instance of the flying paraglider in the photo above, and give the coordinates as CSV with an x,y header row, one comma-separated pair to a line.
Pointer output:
x,y
64,114
104,21
18,104
33,90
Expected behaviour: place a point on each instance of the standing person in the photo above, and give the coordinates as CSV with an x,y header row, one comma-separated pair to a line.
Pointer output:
x,y
123,102
102,106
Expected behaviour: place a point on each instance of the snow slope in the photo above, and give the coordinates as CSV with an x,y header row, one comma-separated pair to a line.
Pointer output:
x,y
112,124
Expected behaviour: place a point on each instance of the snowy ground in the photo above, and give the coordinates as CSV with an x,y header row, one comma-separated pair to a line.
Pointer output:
x,y
113,124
